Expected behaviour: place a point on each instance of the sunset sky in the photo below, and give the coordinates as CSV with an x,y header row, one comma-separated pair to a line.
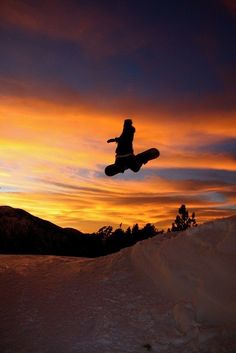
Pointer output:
x,y
71,71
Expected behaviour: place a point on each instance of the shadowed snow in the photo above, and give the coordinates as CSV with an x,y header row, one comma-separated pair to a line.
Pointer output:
x,y
161,295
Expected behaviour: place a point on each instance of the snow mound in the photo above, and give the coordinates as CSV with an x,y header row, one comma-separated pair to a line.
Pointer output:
x,y
197,266
162,295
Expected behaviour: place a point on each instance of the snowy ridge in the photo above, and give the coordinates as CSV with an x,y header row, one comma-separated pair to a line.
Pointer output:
x,y
162,295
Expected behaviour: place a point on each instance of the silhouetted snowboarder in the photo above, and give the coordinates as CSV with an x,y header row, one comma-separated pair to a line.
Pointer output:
x,y
125,157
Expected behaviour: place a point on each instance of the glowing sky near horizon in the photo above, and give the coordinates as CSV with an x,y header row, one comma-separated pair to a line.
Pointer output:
x,y
72,71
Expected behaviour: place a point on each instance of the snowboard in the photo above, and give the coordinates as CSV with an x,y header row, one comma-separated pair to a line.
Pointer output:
x,y
139,160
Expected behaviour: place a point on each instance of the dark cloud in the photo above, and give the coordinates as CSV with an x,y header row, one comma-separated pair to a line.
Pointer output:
x,y
222,147
159,200
208,176
178,54
230,6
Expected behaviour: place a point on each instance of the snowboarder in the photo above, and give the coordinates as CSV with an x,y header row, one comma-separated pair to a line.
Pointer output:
x,y
125,157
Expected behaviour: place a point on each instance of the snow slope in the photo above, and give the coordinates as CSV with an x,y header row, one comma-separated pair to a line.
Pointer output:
x,y
161,295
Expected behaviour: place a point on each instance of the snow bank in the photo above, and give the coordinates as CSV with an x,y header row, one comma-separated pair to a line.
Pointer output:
x,y
197,266
162,295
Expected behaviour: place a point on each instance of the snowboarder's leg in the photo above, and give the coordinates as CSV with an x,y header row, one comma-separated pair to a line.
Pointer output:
x,y
135,164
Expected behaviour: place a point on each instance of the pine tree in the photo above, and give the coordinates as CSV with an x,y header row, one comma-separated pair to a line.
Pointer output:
x,y
183,221
149,230
105,231
135,229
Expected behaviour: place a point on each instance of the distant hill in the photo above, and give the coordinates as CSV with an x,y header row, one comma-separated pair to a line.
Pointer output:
x,y
23,233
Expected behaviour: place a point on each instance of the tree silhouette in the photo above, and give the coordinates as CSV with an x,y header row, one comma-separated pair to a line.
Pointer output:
x,y
128,232
150,230
105,231
113,240
183,221
135,229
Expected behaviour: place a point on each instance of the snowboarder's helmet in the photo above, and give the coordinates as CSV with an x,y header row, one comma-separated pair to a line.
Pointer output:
x,y
128,122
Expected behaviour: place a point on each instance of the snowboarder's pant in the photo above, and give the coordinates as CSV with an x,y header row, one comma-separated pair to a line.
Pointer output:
x,y
129,162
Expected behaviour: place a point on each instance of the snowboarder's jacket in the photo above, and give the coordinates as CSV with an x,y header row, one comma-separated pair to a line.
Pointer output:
x,y
125,141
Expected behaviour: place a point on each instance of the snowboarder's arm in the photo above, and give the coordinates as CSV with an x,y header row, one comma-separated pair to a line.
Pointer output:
x,y
116,139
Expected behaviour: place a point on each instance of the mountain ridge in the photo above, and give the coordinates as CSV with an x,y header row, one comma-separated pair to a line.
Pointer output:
x,y
23,233
12,211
